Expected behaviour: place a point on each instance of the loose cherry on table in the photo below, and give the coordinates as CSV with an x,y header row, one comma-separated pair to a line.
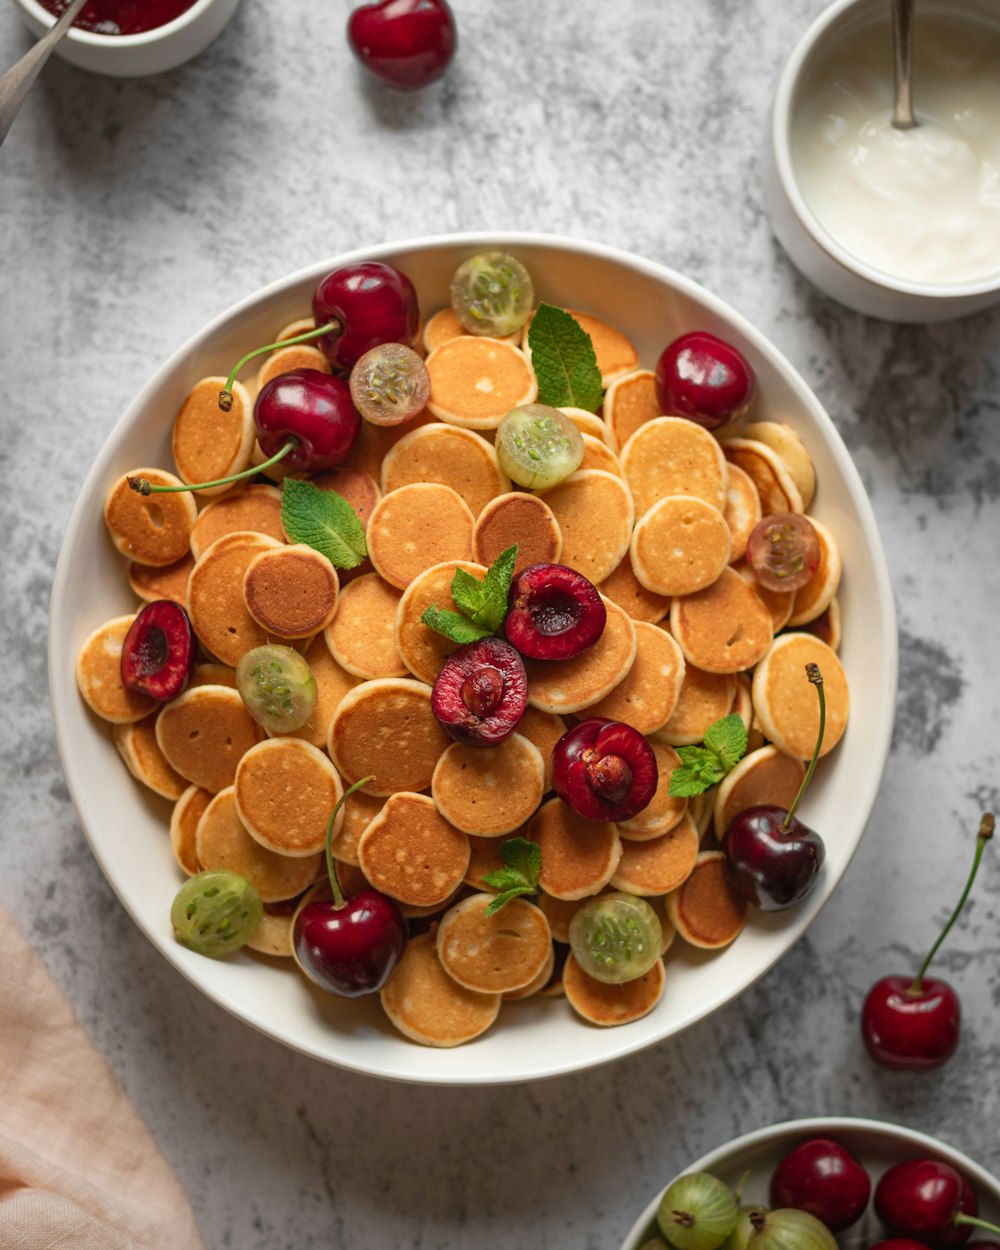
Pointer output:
x,y
930,1200
822,1177
404,43
703,378
604,769
914,1024
481,692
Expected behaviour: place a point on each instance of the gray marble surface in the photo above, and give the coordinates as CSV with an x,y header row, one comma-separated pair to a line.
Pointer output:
x,y
131,213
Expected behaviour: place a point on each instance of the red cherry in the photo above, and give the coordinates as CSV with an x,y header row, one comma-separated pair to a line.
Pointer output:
x,y
822,1177
924,1198
604,769
481,692
371,304
351,949
554,612
159,654
701,377
404,43
312,409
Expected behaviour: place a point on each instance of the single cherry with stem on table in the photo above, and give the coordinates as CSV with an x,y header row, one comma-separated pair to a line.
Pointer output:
x,y
929,1200
914,1024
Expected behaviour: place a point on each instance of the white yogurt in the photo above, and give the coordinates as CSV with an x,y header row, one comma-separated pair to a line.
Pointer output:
x,y
921,204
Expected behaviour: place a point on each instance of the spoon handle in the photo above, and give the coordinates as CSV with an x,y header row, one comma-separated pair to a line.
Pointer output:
x,y
902,63
16,82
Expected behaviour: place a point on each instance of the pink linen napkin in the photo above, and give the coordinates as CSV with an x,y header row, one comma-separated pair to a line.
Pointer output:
x,y
78,1168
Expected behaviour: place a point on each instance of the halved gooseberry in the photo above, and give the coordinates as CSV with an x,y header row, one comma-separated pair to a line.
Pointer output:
x,y
783,551
538,446
277,687
616,937
215,912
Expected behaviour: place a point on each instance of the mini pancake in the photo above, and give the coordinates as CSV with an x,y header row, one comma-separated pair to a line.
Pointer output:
x,y
285,790
484,858
777,491
385,729
559,912
826,627
743,701
658,865
742,511
374,441
359,488
291,591
273,936
616,355
444,326
579,857
184,818
667,930
590,424
815,596
646,697
703,699
211,674
701,809
205,733
143,758
631,402
609,1005
572,685
494,954
787,445
476,381
99,675
553,988
216,605
150,529
625,589
256,508
680,545
208,443
544,729
422,649
223,842
332,683
429,1006
417,526
787,704
298,356
540,982
778,602
451,456
763,776
361,637
433,913
598,455
410,852
358,813
302,325
674,456
663,811
169,582
595,514
706,911
492,791
725,627
517,518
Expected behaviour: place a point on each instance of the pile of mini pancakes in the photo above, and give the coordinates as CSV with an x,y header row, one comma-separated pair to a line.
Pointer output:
x,y
657,516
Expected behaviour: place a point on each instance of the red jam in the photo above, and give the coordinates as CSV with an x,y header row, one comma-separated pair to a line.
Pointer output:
x,y
122,17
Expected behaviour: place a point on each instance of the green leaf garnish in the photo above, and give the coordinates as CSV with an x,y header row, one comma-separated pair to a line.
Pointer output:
x,y
458,628
564,361
523,860
324,520
704,766
483,604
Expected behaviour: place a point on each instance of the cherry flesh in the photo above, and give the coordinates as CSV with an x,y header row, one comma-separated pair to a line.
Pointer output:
x,y
604,769
404,43
554,612
823,1178
705,379
370,304
481,692
121,17
159,653
928,1199
312,409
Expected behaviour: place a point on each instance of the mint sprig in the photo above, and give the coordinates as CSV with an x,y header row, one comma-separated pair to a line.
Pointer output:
x,y
324,520
483,604
564,361
704,766
523,867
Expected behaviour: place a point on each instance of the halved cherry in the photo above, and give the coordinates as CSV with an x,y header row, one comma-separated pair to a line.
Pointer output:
x,y
555,613
158,654
604,769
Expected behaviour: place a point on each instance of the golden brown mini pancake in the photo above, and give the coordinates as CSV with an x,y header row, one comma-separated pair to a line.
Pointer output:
x,y
484,858
540,982
444,326
386,729
667,930
256,508
169,582
208,443
298,356
703,699
787,445
743,700
137,745
429,1006
706,911
494,954
674,456
544,729
579,857
663,811
422,649
625,589
216,605
646,697
204,734
476,381
595,515
777,491
332,683
786,703
518,518
724,628
223,842
285,792
701,809
187,811
410,852
450,455
302,325
590,423
418,526
616,355
212,674
150,529
291,591
572,685
742,510
489,791
815,596
273,936
658,865
359,488
598,455
608,1005
826,627
763,776
99,675
559,912
361,635
374,441
778,602
358,813
680,545
631,402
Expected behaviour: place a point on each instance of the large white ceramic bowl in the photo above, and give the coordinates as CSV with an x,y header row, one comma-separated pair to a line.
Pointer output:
x,y
127,826
875,1144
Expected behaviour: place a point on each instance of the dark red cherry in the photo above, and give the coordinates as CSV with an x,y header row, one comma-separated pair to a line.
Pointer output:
x,y
404,43
350,949
604,769
701,377
822,1177
928,1199
771,860
554,612
158,654
911,1029
481,692
312,408
372,304
901,1243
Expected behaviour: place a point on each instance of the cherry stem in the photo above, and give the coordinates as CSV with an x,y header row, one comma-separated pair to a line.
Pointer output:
x,y
816,677
226,395
331,872
986,826
145,487
974,1222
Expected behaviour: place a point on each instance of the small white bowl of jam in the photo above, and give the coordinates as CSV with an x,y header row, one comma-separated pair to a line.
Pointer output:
x,y
131,38
901,225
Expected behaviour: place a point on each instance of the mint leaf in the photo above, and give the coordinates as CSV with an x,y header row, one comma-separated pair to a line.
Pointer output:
x,y
483,604
728,739
564,361
702,767
467,592
496,586
324,520
458,628
523,867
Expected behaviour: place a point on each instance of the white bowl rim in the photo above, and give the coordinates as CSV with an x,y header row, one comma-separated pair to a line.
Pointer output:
x,y
620,1042
90,39
781,126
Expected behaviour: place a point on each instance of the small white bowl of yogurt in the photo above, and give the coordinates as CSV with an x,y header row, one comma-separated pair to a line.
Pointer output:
x,y
900,225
